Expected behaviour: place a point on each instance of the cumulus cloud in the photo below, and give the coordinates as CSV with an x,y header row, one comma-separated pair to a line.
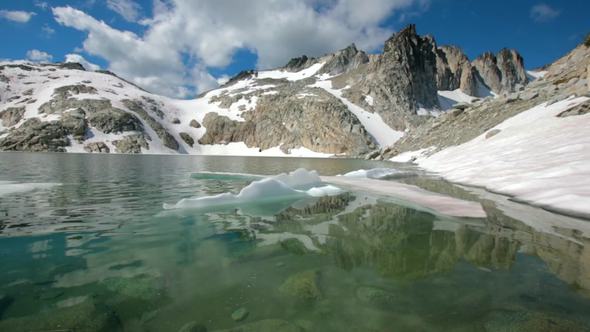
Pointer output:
x,y
543,13
18,16
128,9
39,56
210,32
72,57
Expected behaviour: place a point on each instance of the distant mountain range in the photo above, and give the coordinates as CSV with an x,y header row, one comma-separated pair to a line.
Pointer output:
x,y
348,103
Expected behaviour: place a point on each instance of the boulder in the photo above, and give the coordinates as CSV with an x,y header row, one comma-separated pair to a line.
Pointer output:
x,y
131,144
97,147
187,138
195,124
302,286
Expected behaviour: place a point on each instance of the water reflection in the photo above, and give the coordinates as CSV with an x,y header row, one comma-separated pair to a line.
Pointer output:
x,y
103,256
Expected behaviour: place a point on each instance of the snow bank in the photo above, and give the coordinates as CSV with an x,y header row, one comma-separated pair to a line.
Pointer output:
x,y
413,196
536,157
291,76
377,173
448,98
293,186
373,123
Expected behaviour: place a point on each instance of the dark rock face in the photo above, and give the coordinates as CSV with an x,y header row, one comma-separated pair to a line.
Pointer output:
x,y
503,72
321,124
97,147
165,136
402,79
75,122
12,116
413,59
131,144
36,136
113,120
454,71
296,64
187,138
195,124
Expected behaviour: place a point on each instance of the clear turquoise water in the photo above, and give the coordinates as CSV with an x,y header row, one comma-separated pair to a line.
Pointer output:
x,y
97,252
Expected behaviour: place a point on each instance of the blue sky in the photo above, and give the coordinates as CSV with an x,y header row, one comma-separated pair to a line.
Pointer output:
x,y
180,47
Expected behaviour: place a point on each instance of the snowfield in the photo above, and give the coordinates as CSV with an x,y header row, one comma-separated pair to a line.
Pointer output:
x,y
383,134
536,157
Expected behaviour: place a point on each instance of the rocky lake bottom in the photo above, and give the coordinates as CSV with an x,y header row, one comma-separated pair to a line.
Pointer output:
x,y
86,245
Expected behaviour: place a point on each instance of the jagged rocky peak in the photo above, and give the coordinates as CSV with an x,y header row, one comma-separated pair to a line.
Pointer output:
x,y
503,72
299,63
412,62
243,75
454,71
344,60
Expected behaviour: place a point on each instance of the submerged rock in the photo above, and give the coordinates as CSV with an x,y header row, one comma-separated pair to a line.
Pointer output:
x,y
374,296
193,327
138,287
266,325
83,317
240,314
521,320
303,286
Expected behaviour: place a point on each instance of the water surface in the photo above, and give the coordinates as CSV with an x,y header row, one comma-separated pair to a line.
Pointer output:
x,y
85,245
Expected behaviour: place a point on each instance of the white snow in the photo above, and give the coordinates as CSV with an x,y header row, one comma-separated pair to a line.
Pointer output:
x,y
370,100
415,196
535,74
536,157
295,185
448,98
373,123
374,173
291,76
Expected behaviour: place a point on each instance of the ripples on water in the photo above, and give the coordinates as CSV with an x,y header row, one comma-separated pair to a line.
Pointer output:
x,y
97,252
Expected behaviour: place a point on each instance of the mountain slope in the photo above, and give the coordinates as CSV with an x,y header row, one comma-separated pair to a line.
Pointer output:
x,y
532,144
347,103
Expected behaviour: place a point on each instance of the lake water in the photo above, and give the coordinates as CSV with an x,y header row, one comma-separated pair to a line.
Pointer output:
x,y
85,245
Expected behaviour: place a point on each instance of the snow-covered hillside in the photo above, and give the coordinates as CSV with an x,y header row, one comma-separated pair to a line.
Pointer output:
x,y
540,156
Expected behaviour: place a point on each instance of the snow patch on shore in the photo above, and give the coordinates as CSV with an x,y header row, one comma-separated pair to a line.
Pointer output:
x,y
536,157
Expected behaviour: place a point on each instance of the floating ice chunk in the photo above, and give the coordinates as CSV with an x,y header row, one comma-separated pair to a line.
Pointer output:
x,y
328,190
299,178
283,187
377,173
10,187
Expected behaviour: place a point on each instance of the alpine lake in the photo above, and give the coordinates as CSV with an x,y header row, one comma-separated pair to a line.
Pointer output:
x,y
86,245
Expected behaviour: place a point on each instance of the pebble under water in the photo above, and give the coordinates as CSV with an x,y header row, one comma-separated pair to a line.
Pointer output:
x,y
85,245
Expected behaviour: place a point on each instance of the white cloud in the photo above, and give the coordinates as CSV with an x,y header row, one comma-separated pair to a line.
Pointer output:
x,y
210,32
81,60
41,4
39,56
16,15
543,13
47,30
128,9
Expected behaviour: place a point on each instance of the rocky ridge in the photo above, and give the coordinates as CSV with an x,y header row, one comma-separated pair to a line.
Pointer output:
x,y
346,103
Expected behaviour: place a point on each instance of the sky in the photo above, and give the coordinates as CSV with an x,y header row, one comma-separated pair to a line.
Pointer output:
x,y
179,48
